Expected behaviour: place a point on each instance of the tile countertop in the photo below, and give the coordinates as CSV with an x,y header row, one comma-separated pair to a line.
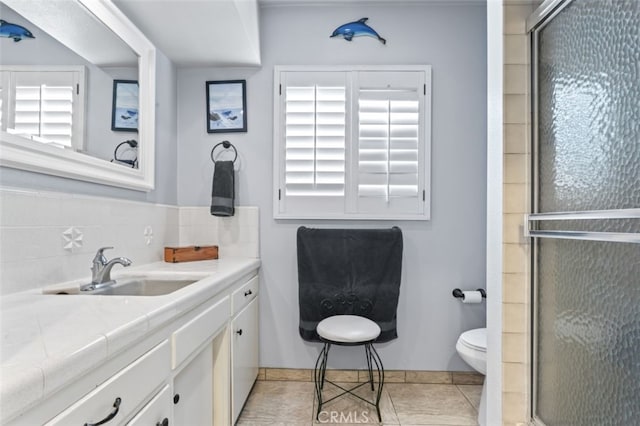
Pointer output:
x,y
48,340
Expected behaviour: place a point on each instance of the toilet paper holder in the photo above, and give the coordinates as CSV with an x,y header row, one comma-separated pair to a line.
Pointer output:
x,y
457,293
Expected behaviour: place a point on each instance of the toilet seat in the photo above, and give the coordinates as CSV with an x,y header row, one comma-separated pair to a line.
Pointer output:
x,y
475,339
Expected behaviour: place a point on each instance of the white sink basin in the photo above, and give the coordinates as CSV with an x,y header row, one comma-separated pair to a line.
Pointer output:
x,y
140,287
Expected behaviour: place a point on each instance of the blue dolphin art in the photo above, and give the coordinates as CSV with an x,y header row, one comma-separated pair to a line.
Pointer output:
x,y
356,29
14,31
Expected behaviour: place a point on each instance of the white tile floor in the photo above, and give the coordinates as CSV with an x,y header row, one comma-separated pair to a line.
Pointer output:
x,y
293,403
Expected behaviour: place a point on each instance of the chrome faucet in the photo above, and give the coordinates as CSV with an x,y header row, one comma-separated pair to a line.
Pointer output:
x,y
101,268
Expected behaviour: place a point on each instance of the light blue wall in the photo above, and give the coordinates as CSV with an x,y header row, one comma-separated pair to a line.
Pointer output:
x,y
439,255
166,163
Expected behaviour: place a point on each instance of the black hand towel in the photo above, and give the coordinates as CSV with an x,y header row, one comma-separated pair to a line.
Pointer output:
x,y
222,189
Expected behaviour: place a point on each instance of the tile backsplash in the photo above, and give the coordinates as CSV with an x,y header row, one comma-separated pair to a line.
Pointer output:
x,y
235,236
48,237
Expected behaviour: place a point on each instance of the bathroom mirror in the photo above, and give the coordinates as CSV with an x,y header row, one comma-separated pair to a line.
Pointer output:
x,y
108,47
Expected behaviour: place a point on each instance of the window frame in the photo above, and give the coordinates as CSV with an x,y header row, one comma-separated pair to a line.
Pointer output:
x,y
349,211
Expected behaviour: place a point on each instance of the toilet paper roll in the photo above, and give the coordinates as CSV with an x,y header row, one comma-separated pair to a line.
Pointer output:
x,y
472,297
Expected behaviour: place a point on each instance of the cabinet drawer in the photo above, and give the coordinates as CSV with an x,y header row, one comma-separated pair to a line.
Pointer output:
x,y
245,294
187,338
132,386
158,409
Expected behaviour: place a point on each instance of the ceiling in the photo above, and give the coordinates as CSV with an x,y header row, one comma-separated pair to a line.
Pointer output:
x,y
199,32
221,32
334,3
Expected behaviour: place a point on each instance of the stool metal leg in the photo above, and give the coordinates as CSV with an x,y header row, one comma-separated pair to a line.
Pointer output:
x,y
376,359
319,374
369,366
324,364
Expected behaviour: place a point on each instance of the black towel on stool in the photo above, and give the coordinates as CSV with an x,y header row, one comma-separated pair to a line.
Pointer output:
x,y
222,189
349,272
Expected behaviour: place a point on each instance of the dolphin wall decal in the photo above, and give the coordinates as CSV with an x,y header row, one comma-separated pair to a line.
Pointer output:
x,y
14,31
356,29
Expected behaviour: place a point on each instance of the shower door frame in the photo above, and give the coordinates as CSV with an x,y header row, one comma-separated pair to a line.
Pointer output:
x,y
544,14
535,22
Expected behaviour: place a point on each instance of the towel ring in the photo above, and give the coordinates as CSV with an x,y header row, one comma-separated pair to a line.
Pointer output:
x,y
226,145
133,145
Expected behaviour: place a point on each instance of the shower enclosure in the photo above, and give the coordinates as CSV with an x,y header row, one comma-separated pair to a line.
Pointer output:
x,y
585,77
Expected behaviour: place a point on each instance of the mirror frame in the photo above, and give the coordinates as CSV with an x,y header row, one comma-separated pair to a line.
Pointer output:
x,y
19,153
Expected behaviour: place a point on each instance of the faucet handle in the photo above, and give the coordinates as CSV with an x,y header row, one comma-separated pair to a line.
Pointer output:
x,y
99,257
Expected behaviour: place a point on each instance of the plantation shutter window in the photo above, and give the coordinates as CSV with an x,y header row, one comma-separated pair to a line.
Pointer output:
x,y
44,106
353,143
389,142
314,141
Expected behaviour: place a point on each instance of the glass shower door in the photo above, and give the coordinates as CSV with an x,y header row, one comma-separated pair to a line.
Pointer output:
x,y
586,229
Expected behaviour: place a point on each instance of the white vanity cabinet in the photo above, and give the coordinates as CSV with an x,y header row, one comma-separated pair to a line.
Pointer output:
x,y
244,344
196,369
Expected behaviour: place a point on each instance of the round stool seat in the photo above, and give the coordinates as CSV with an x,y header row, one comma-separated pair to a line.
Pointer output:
x,y
348,329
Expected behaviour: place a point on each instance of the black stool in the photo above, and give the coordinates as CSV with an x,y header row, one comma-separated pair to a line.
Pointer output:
x,y
348,330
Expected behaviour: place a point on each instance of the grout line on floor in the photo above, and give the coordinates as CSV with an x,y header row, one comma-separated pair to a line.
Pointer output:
x,y
393,405
313,405
466,397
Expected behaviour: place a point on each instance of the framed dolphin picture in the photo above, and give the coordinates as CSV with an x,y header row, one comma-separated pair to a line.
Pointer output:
x,y
124,109
226,106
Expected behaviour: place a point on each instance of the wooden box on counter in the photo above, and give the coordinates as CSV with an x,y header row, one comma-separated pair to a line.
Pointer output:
x,y
190,253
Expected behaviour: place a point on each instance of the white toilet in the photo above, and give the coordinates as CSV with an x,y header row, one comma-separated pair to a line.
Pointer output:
x,y
472,348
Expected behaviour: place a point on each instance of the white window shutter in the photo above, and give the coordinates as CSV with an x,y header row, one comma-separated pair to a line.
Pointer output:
x,y
315,140
314,110
45,105
389,143
352,142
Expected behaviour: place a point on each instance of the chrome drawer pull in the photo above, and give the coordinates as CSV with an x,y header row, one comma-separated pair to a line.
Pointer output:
x,y
114,413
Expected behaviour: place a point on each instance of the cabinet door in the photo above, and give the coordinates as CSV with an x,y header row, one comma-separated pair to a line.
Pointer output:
x,y
193,391
157,412
244,355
